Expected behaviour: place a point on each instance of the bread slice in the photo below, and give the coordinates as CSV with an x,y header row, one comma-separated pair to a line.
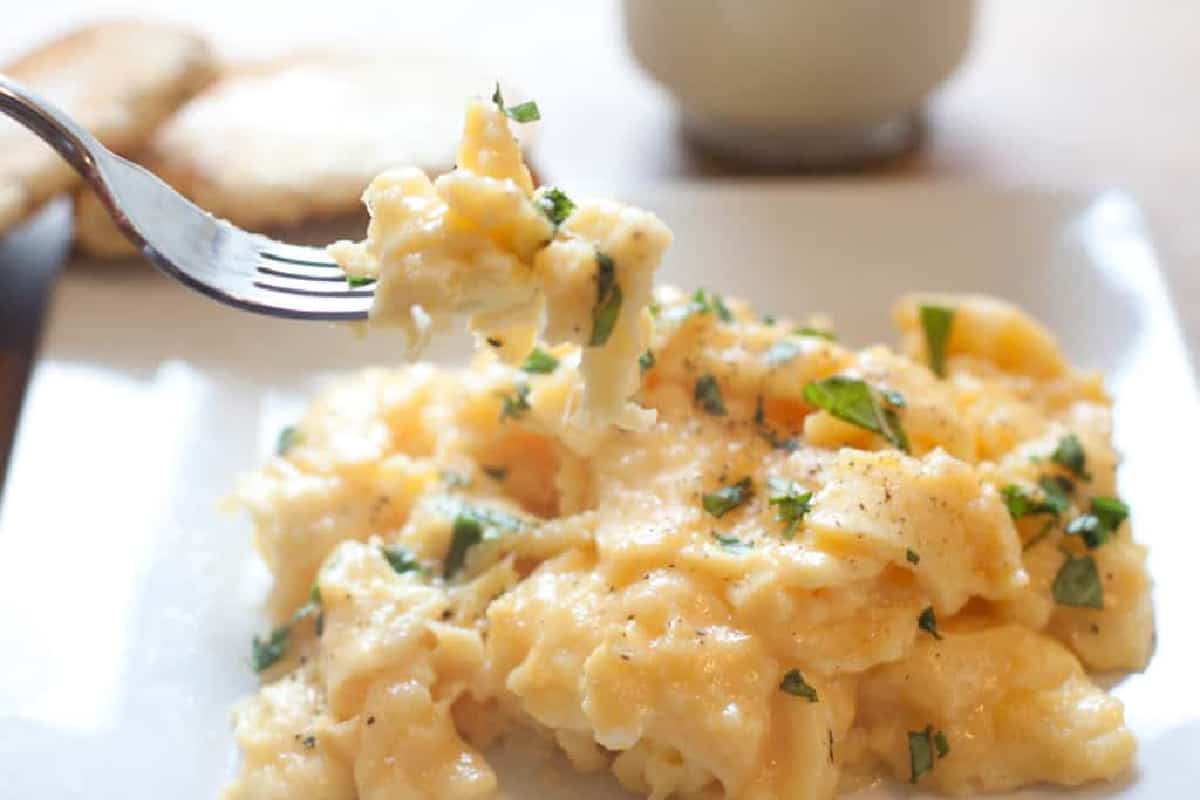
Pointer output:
x,y
120,80
299,138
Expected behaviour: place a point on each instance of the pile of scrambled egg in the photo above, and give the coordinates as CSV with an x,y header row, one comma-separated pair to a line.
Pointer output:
x,y
716,553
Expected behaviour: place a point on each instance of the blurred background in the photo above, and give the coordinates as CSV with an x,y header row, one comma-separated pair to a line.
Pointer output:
x,y
1049,93
1023,92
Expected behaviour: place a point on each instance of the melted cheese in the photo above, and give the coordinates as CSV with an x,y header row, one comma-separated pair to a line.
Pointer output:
x,y
574,584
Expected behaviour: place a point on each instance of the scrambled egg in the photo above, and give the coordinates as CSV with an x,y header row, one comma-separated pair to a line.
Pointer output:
x,y
797,568
479,240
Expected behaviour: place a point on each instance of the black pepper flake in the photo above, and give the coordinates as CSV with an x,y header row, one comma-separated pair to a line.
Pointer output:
x,y
371,720
495,342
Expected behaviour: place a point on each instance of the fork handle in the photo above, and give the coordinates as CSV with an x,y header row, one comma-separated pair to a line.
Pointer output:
x,y
51,125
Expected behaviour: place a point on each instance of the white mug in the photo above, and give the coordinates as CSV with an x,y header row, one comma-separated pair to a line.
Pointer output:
x,y
811,83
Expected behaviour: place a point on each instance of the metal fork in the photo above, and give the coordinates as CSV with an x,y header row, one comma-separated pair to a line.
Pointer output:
x,y
212,256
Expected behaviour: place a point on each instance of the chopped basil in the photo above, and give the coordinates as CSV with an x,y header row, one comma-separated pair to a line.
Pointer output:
x,y
727,498
707,395
539,362
1057,490
1095,528
920,753
1069,454
723,313
852,400
912,557
1055,499
791,503
793,683
555,204
731,543
783,351
265,652
943,746
472,525
288,438
466,533
522,112
807,330
701,302
928,623
608,301
1111,511
936,321
776,441
515,405
400,559
646,360
1077,584
356,281
495,473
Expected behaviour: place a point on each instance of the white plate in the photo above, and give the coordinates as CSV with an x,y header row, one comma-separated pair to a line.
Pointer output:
x,y
127,601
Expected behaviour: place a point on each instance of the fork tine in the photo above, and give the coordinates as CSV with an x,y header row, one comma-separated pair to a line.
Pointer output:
x,y
294,253
309,288
335,307
300,272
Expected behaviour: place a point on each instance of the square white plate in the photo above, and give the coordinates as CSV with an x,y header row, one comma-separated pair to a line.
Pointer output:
x,y
127,601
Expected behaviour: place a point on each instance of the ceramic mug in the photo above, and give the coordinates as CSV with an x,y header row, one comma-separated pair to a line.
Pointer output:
x,y
809,83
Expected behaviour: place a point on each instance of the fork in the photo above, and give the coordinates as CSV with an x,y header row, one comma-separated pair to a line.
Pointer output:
x,y
242,269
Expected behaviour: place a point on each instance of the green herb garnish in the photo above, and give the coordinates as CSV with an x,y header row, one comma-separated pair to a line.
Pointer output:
x,y
791,503
265,652
1055,498
921,746
769,319
701,302
472,525
1095,528
1077,584
555,204
707,395
1069,454
539,362
852,400
807,330
646,361
522,112
912,556
357,281
793,683
732,543
727,498
928,623
1057,490
400,559
515,405
936,321
288,438
608,301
